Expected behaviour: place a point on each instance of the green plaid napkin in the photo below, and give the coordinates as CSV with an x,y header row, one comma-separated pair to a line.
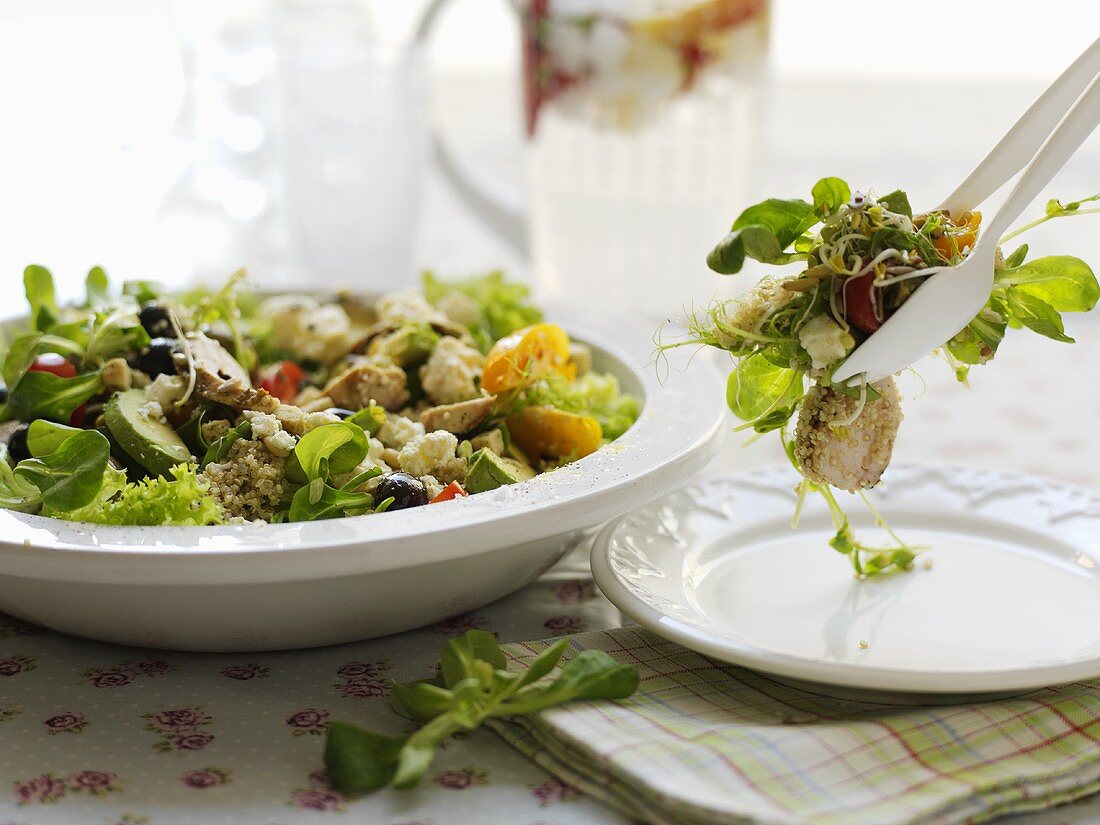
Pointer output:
x,y
704,742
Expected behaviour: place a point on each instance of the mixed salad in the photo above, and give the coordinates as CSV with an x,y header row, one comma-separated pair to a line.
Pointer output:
x,y
146,408
860,257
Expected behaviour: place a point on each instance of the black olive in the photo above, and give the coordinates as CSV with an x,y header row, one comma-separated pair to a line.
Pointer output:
x,y
156,321
340,412
405,490
3,394
17,444
159,358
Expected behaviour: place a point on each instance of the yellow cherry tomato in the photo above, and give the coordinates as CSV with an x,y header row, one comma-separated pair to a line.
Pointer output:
x,y
554,433
525,353
963,236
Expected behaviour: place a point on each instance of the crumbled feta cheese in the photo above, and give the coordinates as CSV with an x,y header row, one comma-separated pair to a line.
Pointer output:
x,y
263,424
432,485
310,330
450,374
152,411
166,390
824,341
268,429
280,443
396,431
317,419
425,453
396,307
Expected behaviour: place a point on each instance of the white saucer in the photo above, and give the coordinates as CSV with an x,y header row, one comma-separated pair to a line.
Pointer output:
x,y
1007,598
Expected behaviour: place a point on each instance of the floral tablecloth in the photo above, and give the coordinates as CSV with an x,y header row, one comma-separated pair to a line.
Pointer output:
x,y
107,735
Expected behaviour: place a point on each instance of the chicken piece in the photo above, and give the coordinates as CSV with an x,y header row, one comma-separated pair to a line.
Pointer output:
x,y
356,387
232,393
221,379
215,359
457,418
847,456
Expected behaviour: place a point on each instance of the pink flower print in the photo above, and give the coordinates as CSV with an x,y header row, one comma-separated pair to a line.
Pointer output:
x,y
179,729
575,591
110,679
66,723
191,741
460,624
320,779
44,788
461,779
554,790
205,778
563,624
14,665
364,688
317,799
243,673
95,782
151,667
179,720
362,670
308,720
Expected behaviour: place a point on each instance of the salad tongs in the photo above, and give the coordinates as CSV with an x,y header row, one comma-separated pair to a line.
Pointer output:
x,y
1047,135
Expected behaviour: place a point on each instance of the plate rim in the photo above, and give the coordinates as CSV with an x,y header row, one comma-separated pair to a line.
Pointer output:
x,y
845,675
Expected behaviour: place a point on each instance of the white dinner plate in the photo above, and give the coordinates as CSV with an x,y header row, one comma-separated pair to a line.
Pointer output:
x,y
1006,597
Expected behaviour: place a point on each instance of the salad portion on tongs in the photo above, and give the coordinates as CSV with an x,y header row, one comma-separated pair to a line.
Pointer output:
x,y
862,256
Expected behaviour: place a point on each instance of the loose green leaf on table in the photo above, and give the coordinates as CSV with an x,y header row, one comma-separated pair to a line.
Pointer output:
x,y
474,684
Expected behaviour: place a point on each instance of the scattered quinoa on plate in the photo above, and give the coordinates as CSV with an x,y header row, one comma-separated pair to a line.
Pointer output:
x,y
147,408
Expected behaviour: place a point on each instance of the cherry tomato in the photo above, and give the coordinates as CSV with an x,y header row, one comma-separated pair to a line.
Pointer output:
x,y
524,354
451,491
59,365
62,367
548,431
859,302
283,380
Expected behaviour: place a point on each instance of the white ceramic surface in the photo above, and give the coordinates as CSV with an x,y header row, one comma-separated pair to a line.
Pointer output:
x,y
265,587
1006,598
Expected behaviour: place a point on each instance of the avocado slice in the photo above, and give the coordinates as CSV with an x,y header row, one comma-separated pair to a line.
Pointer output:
x,y
147,440
487,471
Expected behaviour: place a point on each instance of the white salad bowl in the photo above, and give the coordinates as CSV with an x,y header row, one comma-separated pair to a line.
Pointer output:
x,y
267,587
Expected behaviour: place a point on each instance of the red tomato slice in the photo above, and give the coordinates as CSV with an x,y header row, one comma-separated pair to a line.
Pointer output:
x,y
451,491
283,380
59,365
62,367
859,302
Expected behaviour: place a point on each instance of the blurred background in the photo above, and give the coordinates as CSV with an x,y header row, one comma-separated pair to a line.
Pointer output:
x,y
598,159
180,139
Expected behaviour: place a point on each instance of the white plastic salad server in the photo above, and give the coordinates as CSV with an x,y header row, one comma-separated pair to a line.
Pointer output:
x,y
950,299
